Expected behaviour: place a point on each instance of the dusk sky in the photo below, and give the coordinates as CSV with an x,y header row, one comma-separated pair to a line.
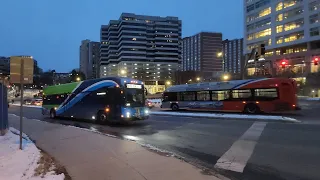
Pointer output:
x,y
51,31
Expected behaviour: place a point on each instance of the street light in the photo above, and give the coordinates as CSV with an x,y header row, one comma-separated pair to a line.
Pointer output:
x,y
198,79
168,83
226,77
78,79
123,72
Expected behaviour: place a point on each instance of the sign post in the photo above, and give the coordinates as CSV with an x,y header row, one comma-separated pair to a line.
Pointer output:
x,y
21,72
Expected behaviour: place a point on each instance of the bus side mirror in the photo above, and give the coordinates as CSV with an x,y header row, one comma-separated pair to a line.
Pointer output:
x,y
146,92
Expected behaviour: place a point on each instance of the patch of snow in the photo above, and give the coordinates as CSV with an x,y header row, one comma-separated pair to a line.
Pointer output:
x,y
313,99
31,106
227,116
18,164
153,148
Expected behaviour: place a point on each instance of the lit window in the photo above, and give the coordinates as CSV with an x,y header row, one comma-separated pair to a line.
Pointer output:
x,y
279,17
294,36
279,40
279,6
279,28
293,25
289,3
264,12
263,33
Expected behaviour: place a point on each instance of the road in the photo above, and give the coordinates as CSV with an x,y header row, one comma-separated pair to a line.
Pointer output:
x,y
261,150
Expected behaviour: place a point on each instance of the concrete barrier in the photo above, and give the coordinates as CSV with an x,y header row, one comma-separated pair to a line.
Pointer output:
x,y
3,110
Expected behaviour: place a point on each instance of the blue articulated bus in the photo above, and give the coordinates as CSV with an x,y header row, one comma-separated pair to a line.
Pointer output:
x,y
101,100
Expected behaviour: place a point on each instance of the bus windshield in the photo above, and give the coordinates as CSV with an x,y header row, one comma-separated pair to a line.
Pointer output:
x,y
135,97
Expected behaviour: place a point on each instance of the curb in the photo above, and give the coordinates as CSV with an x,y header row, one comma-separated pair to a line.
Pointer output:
x,y
230,116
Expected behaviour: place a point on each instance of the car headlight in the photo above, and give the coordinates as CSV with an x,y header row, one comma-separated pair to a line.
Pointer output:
x,y
146,111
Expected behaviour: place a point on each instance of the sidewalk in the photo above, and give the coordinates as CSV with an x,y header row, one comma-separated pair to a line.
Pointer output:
x,y
88,155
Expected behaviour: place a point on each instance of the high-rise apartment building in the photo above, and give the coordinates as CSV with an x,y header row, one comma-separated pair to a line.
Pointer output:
x,y
232,52
4,66
147,48
90,58
290,29
202,52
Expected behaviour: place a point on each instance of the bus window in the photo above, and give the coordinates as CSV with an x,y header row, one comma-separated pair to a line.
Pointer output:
x,y
170,96
135,97
203,96
270,93
220,95
241,94
187,96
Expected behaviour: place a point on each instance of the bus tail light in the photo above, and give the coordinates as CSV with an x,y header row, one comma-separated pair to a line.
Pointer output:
x,y
293,105
243,102
257,102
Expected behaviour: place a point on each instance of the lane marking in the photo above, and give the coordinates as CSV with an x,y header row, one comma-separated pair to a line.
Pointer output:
x,y
236,158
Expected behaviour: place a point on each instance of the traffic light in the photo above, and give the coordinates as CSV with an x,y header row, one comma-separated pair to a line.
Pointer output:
x,y
283,64
261,50
315,61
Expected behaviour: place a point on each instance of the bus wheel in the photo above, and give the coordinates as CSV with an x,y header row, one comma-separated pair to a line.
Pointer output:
x,y
52,114
174,107
102,118
251,109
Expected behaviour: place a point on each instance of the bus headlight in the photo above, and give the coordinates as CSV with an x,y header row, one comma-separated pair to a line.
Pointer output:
x,y
128,114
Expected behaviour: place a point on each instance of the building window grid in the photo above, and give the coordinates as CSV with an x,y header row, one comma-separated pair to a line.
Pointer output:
x,y
313,6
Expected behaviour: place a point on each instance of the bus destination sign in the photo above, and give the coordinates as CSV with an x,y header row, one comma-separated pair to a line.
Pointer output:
x,y
134,86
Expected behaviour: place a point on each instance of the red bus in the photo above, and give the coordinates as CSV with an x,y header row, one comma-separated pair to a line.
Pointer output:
x,y
249,96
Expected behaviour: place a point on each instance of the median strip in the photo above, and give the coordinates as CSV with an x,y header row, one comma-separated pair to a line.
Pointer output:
x,y
229,116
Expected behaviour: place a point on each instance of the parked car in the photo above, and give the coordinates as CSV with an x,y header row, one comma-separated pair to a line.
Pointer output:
x,y
27,101
37,102
149,104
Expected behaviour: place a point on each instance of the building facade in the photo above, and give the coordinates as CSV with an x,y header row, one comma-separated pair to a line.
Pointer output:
x,y
290,29
232,52
90,58
147,48
202,52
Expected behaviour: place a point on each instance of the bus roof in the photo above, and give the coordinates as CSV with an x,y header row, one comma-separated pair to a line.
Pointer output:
x,y
236,84
60,89
69,87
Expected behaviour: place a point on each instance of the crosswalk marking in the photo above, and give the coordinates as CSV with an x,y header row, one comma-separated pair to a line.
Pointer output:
x,y
236,158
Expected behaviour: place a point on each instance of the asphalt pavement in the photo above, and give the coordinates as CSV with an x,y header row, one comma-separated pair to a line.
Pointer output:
x,y
266,151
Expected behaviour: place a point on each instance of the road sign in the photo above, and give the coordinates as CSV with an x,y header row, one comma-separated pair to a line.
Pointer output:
x,y
27,64
21,72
